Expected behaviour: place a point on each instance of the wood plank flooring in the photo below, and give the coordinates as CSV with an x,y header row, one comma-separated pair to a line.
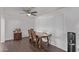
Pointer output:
x,y
25,46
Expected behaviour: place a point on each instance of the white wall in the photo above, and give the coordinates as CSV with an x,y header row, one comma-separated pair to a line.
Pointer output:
x,y
2,37
12,24
66,21
13,20
0,28
72,23
53,24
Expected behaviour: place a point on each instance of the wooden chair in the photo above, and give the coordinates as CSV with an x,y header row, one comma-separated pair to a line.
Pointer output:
x,y
30,35
40,42
35,38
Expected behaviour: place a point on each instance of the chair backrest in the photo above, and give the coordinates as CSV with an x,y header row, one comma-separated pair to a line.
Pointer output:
x,y
30,33
34,36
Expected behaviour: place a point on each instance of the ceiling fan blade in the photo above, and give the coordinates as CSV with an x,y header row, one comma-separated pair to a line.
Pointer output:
x,y
34,12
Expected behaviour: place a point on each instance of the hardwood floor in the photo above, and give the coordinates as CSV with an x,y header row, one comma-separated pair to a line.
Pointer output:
x,y
25,46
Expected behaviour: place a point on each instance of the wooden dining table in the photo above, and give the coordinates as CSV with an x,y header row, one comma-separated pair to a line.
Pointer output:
x,y
42,35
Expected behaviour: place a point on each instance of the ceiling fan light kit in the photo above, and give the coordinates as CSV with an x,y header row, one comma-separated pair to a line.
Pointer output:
x,y
28,14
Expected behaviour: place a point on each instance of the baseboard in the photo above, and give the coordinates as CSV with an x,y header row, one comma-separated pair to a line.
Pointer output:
x,y
57,46
13,39
2,41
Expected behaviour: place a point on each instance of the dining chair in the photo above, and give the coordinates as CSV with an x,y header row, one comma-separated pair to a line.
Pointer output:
x,y
30,35
35,38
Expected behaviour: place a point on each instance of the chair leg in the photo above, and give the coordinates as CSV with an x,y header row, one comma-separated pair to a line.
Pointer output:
x,y
47,41
40,43
36,43
29,40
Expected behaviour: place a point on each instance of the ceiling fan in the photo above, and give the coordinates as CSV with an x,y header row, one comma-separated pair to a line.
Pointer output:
x,y
29,11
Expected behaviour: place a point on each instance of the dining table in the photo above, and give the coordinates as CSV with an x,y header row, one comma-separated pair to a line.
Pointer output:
x,y
43,35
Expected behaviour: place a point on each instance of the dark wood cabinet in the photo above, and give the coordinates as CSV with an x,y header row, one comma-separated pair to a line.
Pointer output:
x,y
71,36
17,36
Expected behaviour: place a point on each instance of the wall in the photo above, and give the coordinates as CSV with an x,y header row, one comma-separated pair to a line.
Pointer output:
x,y
66,21
53,24
72,23
13,20
0,28
12,23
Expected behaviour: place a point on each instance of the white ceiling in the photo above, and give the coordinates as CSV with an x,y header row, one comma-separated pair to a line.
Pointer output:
x,y
46,10
40,10
13,12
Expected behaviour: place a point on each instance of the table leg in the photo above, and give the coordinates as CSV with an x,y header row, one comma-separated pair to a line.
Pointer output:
x,y
40,43
47,41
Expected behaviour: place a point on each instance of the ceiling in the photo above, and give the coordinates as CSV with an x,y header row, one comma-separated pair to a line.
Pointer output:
x,y
40,10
